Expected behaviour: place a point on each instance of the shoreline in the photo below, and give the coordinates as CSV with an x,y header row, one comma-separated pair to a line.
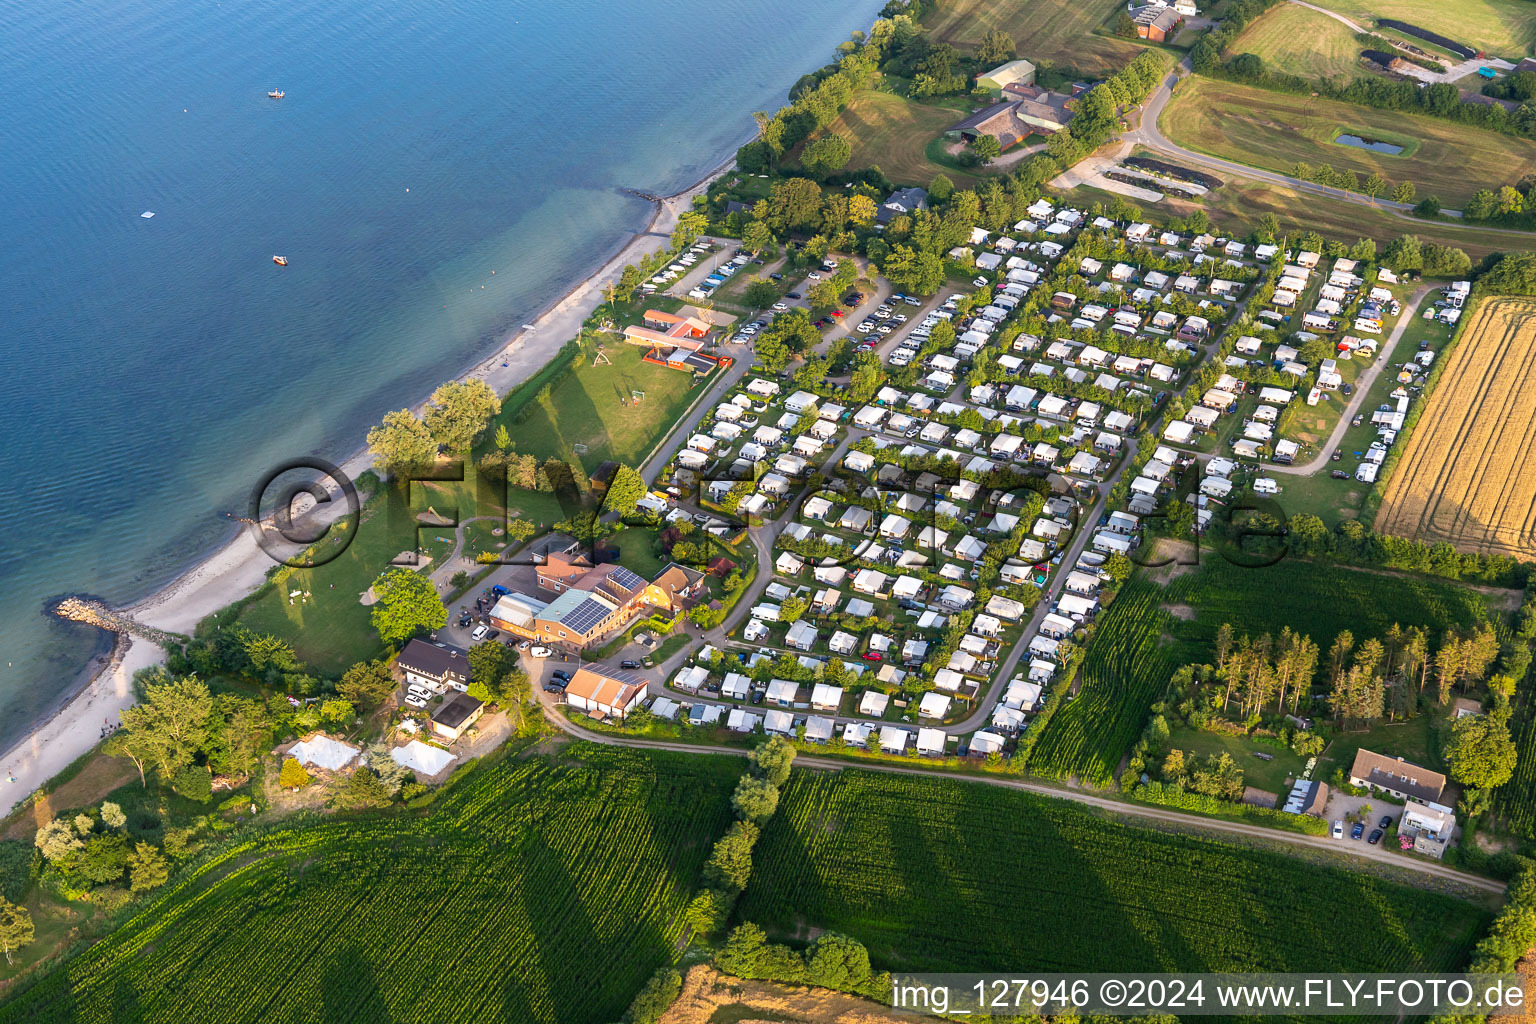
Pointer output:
x,y
237,566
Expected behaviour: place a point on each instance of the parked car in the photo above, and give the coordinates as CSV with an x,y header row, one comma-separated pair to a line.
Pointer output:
x,y
562,675
1357,831
525,645
779,307
1338,829
1339,474
1375,838
480,632
464,621
539,651
630,664
873,656
416,702
1385,822
792,295
554,686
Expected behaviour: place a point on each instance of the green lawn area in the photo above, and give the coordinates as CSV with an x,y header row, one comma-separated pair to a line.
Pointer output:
x,y
892,132
592,406
1505,28
1268,775
1333,500
329,629
1419,740
1057,31
1274,131
1300,41
634,546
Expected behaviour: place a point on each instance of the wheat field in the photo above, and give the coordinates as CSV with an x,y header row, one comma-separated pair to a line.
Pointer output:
x,y
1468,473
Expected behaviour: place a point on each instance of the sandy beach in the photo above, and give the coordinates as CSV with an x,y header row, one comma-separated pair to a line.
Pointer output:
x,y
239,566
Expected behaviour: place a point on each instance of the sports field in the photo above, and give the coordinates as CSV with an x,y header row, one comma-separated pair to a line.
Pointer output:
x,y
1468,473
1505,28
938,874
1301,41
1059,31
1274,131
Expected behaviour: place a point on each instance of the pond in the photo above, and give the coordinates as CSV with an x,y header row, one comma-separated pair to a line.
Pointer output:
x,y
1374,145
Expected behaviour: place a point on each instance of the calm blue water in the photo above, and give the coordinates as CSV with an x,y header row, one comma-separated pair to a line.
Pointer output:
x,y
154,368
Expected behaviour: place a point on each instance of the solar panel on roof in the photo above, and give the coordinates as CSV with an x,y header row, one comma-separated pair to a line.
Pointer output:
x,y
626,578
585,616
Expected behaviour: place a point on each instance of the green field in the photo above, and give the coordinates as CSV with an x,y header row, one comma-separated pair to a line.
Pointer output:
x,y
1505,28
946,875
1274,131
592,406
534,891
1300,41
892,133
1127,667
1319,599
1058,31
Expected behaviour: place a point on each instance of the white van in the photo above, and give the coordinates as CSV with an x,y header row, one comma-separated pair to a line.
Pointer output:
x,y
480,632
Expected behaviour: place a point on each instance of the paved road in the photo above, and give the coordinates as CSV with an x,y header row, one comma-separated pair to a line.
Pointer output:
x,y
1115,807
1362,388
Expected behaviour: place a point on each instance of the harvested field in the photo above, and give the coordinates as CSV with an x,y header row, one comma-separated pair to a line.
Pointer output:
x,y
1468,473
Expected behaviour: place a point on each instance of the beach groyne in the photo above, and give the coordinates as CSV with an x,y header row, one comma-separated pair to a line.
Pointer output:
x,y
98,614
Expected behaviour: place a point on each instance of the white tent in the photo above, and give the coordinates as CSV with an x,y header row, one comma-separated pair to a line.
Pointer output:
x,y
323,752
422,758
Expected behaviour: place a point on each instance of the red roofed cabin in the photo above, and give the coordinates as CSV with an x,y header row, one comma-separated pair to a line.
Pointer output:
x,y
660,330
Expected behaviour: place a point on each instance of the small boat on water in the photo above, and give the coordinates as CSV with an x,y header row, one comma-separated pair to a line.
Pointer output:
x,y
276,94
281,261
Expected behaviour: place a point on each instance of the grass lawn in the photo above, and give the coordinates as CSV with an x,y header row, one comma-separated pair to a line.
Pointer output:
x,y
1419,740
634,546
1268,775
592,406
1300,41
1058,31
892,132
1505,28
1274,131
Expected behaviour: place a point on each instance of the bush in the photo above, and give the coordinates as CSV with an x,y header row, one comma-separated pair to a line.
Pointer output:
x,y
195,782
656,997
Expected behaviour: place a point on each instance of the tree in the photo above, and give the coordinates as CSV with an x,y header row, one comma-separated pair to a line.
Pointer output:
x,y
794,202
862,210
367,684
1427,208
104,858
773,759
912,271
755,800
656,997
940,188
837,961
1373,185
625,489
996,47
147,868
406,603
689,227
402,443
1403,253
168,727
1404,192
761,292
112,815
293,775
1481,752
756,236
15,929
868,374
1119,567
742,954
827,154
57,840
709,910
459,412
730,864
987,147
792,608
337,711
